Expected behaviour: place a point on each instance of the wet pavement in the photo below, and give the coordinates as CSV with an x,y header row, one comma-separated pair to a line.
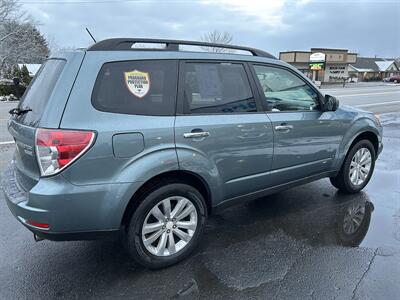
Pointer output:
x,y
289,245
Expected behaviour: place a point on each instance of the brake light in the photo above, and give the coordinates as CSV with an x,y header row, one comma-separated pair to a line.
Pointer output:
x,y
56,149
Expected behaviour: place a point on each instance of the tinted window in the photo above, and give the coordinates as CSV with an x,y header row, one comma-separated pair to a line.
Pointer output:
x,y
39,91
137,87
215,88
284,91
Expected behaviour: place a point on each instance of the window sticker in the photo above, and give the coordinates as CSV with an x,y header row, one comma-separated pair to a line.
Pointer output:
x,y
138,83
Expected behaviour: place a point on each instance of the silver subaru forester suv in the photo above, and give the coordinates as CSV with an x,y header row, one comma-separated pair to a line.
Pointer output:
x,y
144,143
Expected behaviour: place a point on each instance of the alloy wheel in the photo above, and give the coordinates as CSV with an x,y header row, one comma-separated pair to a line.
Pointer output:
x,y
360,166
169,226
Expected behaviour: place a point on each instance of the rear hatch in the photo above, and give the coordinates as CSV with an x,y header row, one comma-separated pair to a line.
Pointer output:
x,y
41,106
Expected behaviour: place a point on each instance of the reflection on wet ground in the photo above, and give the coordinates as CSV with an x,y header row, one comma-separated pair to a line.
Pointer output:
x,y
307,242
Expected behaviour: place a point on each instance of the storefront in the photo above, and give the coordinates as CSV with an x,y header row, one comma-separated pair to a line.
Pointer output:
x,y
322,65
317,67
373,69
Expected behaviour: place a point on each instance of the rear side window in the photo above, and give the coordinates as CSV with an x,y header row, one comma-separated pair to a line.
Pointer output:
x,y
39,91
137,87
215,88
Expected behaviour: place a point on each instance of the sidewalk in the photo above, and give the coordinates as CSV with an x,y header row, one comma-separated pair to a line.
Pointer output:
x,y
357,84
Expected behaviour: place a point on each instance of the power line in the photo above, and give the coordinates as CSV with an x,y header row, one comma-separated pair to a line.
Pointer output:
x,y
93,1
78,2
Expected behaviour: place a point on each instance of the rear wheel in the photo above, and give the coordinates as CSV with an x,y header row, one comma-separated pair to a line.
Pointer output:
x,y
167,225
357,168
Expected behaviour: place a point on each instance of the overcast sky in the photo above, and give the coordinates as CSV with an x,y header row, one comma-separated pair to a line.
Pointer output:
x,y
366,27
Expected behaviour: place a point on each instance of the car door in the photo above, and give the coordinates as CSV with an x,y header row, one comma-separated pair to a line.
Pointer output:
x,y
306,139
221,131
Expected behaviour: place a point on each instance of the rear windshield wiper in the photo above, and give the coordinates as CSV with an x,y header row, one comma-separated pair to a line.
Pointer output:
x,y
19,111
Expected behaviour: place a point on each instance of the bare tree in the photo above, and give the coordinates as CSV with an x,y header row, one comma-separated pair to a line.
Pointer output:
x,y
25,45
54,47
20,39
217,37
9,9
52,44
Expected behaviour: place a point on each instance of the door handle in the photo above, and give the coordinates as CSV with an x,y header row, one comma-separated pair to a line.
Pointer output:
x,y
199,134
283,127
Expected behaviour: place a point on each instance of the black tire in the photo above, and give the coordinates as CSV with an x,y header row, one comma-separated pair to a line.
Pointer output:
x,y
134,241
342,180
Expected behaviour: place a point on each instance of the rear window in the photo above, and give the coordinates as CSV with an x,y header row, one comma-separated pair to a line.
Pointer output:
x,y
217,88
39,91
137,87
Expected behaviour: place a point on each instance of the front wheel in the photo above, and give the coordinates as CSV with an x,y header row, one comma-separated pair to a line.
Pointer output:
x,y
357,168
167,225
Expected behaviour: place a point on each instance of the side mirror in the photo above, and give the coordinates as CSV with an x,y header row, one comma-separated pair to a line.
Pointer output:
x,y
330,103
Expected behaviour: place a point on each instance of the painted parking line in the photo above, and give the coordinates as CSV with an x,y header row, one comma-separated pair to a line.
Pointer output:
x,y
369,94
377,104
7,143
366,88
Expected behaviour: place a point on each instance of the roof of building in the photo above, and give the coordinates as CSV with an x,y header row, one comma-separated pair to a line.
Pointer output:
x,y
312,50
32,68
373,64
295,51
6,81
384,65
329,49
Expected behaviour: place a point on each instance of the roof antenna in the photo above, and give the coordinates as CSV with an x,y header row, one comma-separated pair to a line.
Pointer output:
x,y
91,35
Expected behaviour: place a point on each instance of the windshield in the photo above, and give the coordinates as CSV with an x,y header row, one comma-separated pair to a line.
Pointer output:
x,y
39,91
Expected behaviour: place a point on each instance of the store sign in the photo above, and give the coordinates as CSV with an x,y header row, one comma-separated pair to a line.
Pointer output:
x,y
337,72
316,66
317,57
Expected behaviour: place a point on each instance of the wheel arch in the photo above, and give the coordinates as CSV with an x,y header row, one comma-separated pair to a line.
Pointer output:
x,y
366,135
369,135
175,176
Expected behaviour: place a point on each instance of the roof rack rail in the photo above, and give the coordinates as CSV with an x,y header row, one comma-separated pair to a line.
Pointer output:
x,y
118,44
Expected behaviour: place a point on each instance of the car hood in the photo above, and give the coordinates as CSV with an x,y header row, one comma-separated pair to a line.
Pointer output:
x,y
348,108
357,113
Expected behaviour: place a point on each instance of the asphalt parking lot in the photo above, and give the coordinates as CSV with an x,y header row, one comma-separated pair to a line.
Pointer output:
x,y
283,246
376,97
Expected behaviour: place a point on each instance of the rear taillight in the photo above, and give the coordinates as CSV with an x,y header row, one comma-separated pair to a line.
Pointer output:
x,y
56,149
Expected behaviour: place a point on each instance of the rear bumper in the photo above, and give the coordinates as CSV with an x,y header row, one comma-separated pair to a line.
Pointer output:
x,y
77,236
19,210
72,212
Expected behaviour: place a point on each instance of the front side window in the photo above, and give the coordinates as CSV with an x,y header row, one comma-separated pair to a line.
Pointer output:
x,y
284,91
217,88
137,87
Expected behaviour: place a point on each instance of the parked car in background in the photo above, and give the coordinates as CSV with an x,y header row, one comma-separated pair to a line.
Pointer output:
x,y
395,79
117,140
